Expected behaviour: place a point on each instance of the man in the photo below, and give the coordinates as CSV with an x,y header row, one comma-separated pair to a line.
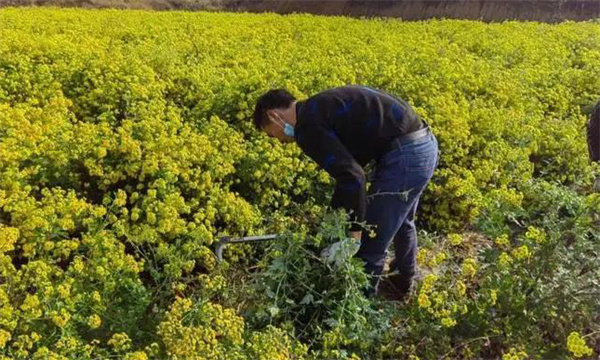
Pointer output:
x,y
343,129
593,139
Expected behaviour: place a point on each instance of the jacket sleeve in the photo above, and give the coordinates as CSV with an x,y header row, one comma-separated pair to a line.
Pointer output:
x,y
324,147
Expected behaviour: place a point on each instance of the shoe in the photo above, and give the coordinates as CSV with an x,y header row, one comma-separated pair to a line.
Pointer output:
x,y
395,286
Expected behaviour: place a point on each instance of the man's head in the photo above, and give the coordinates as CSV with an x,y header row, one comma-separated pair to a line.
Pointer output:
x,y
274,112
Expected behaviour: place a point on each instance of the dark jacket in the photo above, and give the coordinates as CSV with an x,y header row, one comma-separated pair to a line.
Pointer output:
x,y
343,129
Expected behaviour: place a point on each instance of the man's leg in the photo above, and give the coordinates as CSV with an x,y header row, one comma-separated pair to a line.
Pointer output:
x,y
401,177
387,212
405,244
398,282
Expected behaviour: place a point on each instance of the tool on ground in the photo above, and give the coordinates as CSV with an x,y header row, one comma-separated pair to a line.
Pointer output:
x,y
223,241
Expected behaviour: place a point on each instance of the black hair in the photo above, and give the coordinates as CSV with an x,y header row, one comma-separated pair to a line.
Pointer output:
x,y
272,99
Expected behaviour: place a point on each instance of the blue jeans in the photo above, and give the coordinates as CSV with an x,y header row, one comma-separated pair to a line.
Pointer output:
x,y
399,179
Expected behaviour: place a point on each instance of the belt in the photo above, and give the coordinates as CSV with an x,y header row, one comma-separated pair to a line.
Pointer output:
x,y
407,139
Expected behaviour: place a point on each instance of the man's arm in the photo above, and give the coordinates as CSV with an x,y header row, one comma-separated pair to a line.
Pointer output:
x,y
324,147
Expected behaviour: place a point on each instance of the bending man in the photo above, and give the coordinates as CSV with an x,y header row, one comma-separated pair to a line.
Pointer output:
x,y
343,129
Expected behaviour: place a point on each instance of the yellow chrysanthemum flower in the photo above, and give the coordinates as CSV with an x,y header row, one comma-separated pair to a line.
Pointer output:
x,y
576,344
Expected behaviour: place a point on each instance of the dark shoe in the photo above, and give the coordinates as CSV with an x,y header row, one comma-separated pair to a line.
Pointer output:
x,y
370,291
395,286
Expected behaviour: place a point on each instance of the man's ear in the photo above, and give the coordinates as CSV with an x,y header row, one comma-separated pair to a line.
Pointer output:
x,y
275,117
271,115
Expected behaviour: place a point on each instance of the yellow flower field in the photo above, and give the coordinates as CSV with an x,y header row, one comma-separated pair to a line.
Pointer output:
x,y
127,150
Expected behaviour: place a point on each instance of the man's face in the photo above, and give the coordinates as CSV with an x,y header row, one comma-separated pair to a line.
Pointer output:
x,y
274,127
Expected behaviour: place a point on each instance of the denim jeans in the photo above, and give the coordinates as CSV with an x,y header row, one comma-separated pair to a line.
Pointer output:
x,y
398,181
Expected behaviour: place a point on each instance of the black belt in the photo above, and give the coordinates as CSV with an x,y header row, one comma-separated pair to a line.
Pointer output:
x,y
407,139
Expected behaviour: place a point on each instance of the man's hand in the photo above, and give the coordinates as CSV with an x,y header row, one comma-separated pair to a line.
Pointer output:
x,y
356,235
